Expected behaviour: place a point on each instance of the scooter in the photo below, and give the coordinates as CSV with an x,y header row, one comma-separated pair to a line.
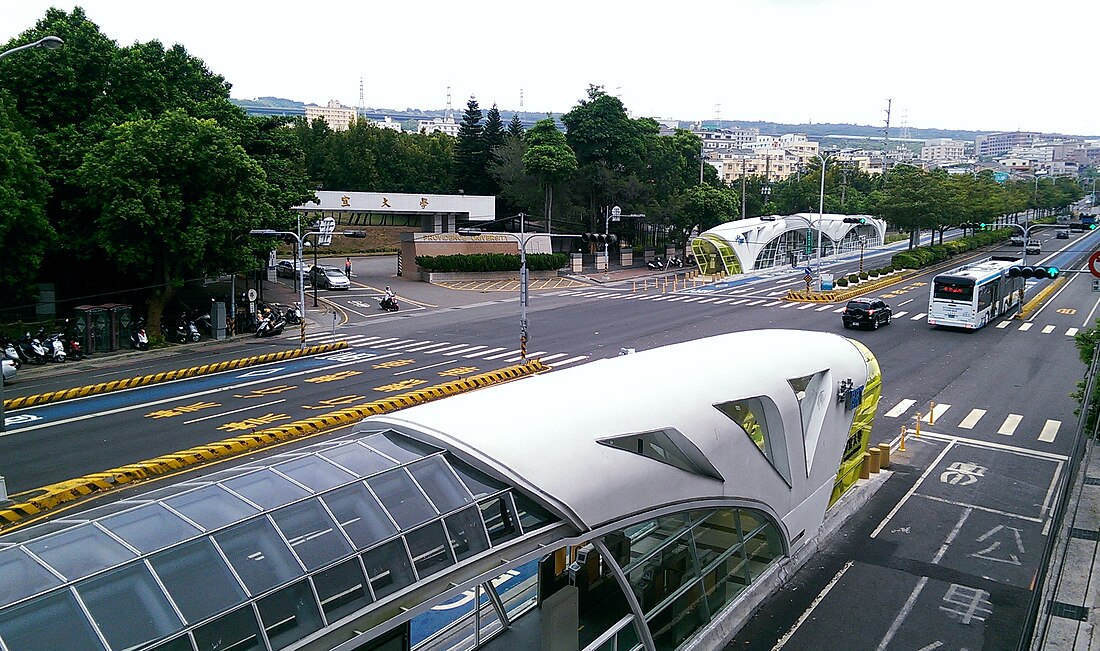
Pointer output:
x,y
271,324
138,339
675,261
180,333
389,303
203,324
73,349
655,263
192,329
293,315
55,349
33,349
12,352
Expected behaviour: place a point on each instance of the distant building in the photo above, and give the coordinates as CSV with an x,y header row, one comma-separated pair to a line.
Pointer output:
x,y
388,123
335,114
992,145
724,139
771,164
943,150
447,125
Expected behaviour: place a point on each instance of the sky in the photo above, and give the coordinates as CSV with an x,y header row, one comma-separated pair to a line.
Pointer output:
x,y
989,65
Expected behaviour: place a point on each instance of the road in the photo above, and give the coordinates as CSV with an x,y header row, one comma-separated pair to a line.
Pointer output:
x,y
946,552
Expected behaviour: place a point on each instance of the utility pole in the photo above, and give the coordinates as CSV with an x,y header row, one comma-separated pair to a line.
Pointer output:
x,y
742,188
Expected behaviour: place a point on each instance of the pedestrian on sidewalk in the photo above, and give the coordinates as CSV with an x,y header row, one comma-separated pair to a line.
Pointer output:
x,y
347,267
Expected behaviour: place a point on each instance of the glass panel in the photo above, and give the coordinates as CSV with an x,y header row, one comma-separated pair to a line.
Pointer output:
x,y
236,631
725,580
476,481
289,615
531,515
37,531
441,485
311,533
198,579
315,472
715,536
388,568
98,512
78,552
211,507
753,415
48,623
358,459
22,576
399,447
402,498
261,558
266,488
360,515
342,590
429,549
167,491
467,533
679,620
646,538
150,527
660,575
181,643
129,606
500,518
763,548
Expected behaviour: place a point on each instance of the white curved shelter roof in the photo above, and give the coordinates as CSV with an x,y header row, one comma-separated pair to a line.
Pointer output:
x,y
544,433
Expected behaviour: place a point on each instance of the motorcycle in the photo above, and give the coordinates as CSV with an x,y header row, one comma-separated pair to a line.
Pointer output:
x,y
55,349
293,315
138,339
33,349
192,329
203,324
389,303
675,261
12,352
271,324
655,263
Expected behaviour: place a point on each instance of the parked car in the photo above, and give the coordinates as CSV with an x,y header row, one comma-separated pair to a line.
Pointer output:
x,y
8,370
1033,247
329,278
285,269
870,312
1063,234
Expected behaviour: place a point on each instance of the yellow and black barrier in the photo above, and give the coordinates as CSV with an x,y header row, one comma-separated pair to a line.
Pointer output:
x,y
837,296
42,499
166,376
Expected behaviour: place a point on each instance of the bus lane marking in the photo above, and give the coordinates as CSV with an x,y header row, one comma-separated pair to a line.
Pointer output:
x,y
235,411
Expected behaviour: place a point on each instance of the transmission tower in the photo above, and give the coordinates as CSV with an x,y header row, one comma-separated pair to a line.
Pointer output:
x,y
886,141
905,135
521,100
362,107
448,101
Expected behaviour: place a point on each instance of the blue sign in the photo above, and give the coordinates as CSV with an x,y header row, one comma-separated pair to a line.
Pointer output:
x,y
1000,177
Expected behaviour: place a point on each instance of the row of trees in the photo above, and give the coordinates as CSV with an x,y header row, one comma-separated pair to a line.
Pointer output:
x,y
132,162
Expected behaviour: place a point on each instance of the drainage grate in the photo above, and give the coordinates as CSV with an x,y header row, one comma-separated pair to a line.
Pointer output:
x,y
1092,481
1069,611
1084,534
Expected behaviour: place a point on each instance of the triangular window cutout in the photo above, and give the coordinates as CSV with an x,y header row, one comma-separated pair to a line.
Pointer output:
x,y
669,446
812,395
752,415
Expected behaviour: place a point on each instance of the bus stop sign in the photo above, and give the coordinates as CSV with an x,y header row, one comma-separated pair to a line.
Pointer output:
x,y
1094,264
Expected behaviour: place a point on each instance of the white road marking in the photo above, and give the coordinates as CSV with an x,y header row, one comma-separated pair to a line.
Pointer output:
x,y
757,302
813,604
902,614
972,418
897,507
226,413
917,317
572,360
806,306
951,536
468,349
1003,324
1025,327
484,352
1049,329
898,315
1071,332
1010,424
1050,430
824,307
938,411
428,346
839,310
900,408
554,356
787,305
506,354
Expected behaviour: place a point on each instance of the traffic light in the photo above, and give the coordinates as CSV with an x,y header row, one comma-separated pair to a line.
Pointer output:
x,y
600,238
855,220
978,226
1018,271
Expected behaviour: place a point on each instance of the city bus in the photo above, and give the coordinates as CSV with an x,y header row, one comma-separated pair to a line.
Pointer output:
x,y
974,294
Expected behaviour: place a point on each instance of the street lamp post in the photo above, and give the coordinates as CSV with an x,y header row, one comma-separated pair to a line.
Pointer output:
x,y
821,212
267,232
50,43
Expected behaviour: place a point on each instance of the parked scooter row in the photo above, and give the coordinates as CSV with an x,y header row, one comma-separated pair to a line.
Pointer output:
x,y
41,348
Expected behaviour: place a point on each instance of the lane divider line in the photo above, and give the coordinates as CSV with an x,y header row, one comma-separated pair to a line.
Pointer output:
x,y
38,500
166,376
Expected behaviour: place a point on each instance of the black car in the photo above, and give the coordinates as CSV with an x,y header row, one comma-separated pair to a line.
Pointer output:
x,y
871,312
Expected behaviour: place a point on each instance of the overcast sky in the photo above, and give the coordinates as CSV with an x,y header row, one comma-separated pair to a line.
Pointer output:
x,y
954,64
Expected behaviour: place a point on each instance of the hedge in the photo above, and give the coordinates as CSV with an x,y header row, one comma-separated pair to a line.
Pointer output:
x,y
491,262
923,256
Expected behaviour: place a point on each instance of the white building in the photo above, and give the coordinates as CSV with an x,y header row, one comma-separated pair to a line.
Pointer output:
x,y
725,139
335,114
943,150
388,123
447,125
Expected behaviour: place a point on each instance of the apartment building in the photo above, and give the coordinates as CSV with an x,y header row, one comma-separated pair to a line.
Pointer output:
x,y
335,114
943,150
446,124
992,145
725,139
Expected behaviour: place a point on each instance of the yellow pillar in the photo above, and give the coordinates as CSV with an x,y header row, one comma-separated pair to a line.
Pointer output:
x,y
931,413
865,467
901,447
884,455
874,460
919,416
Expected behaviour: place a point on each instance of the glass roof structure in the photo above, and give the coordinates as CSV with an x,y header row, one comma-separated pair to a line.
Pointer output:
x,y
256,556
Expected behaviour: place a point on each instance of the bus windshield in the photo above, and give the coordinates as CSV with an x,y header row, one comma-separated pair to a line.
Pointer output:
x,y
952,289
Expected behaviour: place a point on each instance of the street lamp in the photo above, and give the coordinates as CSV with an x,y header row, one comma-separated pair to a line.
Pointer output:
x,y
821,211
267,232
473,232
50,43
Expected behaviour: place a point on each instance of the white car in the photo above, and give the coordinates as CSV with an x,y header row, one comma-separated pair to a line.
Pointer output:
x,y
1033,247
329,278
9,370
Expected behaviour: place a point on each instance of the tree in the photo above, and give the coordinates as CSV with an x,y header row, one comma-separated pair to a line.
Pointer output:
x,y
176,196
492,136
550,159
515,127
909,199
24,230
471,155
519,191
706,206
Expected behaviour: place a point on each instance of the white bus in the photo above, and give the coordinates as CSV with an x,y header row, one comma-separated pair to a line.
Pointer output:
x,y
974,294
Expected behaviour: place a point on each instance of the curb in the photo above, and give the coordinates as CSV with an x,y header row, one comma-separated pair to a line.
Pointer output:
x,y
1040,297
837,296
48,497
166,376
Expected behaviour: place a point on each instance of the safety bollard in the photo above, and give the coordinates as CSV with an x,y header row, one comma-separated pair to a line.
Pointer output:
x,y
633,286
884,455
919,416
874,459
865,467
931,413
901,446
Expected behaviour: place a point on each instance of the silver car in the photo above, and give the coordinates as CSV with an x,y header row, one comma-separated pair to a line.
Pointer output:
x,y
285,269
1033,247
9,370
328,278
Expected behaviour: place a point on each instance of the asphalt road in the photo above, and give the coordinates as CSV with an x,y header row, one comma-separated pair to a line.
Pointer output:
x,y
945,554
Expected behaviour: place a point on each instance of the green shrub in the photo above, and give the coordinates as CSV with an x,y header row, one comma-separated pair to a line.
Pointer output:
x,y
486,262
873,273
842,282
863,275
853,278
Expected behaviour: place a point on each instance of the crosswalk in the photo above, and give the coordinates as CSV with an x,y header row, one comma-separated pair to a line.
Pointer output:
x,y
946,419
450,349
774,302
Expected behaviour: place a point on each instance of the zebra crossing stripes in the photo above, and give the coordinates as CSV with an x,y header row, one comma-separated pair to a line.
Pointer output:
x,y
1003,324
972,418
1025,327
935,412
1071,332
806,306
1011,422
898,315
1008,427
1050,430
823,308
918,317
1047,330
484,352
900,408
